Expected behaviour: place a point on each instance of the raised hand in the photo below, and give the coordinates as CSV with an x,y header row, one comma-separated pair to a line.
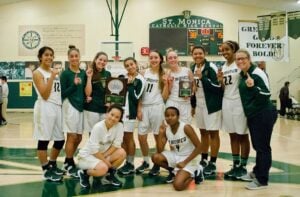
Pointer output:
x,y
54,72
89,72
220,75
77,80
249,81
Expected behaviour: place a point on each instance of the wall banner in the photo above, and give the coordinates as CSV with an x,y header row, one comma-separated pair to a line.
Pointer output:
x,y
278,25
294,24
58,37
264,27
269,50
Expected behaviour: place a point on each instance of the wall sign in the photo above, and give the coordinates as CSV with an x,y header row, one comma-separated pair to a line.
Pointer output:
x,y
270,50
58,37
182,32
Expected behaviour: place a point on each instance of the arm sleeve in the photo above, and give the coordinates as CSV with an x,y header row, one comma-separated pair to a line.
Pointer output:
x,y
119,136
262,93
65,90
210,82
136,91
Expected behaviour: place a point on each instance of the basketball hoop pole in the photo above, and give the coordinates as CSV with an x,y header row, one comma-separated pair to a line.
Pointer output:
x,y
116,21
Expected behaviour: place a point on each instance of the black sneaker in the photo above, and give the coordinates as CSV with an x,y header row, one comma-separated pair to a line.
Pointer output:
x,y
58,171
84,179
210,169
240,172
198,175
111,179
126,169
170,177
231,172
155,170
50,175
203,163
71,170
142,168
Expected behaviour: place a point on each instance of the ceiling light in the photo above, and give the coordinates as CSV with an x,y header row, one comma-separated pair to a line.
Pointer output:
x,y
298,1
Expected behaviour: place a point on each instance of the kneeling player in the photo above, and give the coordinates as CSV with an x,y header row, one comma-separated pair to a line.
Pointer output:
x,y
185,149
102,153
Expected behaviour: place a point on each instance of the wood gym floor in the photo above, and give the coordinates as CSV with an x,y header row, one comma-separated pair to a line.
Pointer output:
x,y
21,175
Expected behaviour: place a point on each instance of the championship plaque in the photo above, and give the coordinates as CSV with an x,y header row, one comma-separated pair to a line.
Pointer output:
x,y
185,88
115,92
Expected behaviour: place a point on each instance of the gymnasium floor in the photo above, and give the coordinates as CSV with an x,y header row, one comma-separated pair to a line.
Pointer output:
x,y
21,175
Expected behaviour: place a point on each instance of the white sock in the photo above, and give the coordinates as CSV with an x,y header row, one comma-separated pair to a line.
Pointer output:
x,y
146,159
130,159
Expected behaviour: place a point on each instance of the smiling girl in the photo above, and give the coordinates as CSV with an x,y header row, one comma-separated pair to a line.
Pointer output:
x,y
182,159
135,88
151,107
95,107
72,84
102,153
47,114
234,120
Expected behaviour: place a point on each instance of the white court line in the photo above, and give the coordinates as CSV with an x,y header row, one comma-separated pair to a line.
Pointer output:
x,y
288,138
20,165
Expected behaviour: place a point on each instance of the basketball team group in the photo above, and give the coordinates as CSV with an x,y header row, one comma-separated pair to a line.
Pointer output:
x,y
160,101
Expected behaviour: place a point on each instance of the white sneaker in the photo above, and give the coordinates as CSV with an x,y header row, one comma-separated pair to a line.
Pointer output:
x,y
255,185
250,176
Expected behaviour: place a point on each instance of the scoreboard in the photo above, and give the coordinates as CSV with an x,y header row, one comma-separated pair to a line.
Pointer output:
x,y
182,34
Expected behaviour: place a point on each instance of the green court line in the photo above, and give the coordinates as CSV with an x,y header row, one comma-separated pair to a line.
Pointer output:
x,y
69,187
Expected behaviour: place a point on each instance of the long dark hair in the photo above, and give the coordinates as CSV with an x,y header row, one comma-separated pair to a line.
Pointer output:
x,y
96,76
42,51
161,70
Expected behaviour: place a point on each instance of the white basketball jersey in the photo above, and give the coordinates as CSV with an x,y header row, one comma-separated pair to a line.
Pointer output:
x,y
55,95
231,80
179,141
199,88
183,74
152,93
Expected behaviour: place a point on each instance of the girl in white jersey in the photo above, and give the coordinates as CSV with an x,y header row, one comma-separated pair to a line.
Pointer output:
x,y
102,153
234,119
47,114
183,158
175,75
151,107
135,88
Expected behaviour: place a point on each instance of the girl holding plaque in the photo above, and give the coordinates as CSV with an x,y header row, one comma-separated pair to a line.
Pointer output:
x,y
151,108
135,88
95,107
72,90
234,120
180,86
207,104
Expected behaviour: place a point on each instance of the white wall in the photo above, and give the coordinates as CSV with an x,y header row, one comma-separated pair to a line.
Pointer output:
x,y
135,26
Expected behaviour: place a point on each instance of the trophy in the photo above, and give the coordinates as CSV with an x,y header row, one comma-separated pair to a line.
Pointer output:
x,y
185,88
115,91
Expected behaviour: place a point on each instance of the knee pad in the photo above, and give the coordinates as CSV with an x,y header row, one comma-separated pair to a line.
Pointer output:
x,y
42,145
58,144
